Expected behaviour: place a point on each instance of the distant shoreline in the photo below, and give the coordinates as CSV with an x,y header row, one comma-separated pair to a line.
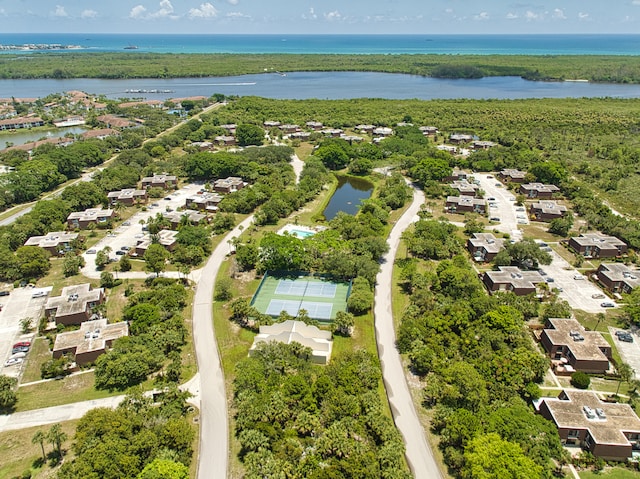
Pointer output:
x,y
70,64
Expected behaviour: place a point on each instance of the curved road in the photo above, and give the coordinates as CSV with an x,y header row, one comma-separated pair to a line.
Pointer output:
x,y
418,452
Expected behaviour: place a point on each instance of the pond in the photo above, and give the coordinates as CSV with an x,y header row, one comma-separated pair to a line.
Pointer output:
x,y
20,137
348,196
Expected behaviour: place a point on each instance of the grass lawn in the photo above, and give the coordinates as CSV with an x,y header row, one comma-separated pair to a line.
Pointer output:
x,y
539,231
20,455
62,391
611,473
38,354
56,278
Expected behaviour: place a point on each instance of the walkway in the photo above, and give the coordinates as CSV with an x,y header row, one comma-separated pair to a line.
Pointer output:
x,y
418,452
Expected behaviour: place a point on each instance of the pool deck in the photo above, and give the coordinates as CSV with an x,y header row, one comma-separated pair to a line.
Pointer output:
x,y
295,229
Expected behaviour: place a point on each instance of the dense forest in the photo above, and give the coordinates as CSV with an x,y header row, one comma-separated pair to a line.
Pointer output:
x,y
612,69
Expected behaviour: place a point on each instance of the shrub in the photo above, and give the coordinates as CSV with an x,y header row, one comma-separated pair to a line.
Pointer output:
x,y
580,380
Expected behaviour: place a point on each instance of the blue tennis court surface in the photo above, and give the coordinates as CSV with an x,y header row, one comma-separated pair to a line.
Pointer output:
x,y
314,310
306,288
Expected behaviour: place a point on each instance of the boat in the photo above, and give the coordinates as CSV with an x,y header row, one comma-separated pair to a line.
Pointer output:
x,y
131,47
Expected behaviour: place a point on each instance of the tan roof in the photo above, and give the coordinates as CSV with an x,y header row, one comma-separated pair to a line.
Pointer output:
x,y
515,276
586,349
74,299
90,214
488,241
297,331
51,240
598,239
568,413
92,336
549,207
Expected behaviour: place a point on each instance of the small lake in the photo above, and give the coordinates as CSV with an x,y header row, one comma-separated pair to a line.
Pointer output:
x,y
20,137
350,192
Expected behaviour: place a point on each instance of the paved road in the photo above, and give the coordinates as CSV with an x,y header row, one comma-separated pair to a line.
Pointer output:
x,y
506,209
418,452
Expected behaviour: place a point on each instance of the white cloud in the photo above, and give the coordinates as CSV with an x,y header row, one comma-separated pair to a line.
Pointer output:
x,y
635,2
558,14
3,12
481,16
206,10
60,12
529,15
237,15
583,16
137,12
333,16
311,16
232,2
88,14
166,9
512,16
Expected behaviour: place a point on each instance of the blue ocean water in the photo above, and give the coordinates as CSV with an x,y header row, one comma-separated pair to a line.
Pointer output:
x,y
626,44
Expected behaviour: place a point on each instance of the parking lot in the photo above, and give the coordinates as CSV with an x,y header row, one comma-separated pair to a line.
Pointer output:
x,y
18,305
130,233
629,351
505,207
577,292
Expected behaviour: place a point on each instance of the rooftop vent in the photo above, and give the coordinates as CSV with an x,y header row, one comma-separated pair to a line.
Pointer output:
x,y
589,412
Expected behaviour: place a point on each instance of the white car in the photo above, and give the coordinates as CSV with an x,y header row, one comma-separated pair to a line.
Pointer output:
x,y
13,361
579,277
39,294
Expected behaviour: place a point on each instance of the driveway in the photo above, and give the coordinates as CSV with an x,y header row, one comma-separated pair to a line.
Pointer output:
x,y
629,352
418,452
19,304
577,292
506,208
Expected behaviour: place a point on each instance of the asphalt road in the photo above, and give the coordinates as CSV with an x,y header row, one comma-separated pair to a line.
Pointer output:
x,y
418,452
629,352
506,208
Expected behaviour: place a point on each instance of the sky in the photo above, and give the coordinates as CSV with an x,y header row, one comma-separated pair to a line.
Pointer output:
x,y
313,16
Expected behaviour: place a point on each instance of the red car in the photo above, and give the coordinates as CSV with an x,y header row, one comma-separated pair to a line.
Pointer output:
x,y
22,344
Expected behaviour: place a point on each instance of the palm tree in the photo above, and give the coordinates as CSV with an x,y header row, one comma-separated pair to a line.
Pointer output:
x,y
626,373
56,436
38,438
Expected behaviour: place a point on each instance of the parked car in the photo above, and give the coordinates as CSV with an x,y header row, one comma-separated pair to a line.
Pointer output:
x,y
579,277
626,338
22,349
91,251
167,198
120,252
126,223
125,248
39,294
155,204
598,296
549,279
13,361
22,344
491,198
495,218
607,304
4,293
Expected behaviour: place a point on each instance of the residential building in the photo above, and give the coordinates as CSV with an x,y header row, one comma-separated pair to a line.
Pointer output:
x,y
176,217
100,133
166,238
113,121
21,122
300,135
482,145
382,131
291,331
569,344
457,139
271,124
314,125
75,304
462,204
484,246
228,185
618,278
547,210
289,128
57,242
538,190
230,127
465,188
597,245
365,128
512,278
333,132
163,181
82,219
204,201
512,175
429,130
610,431
457,175
90,341
128,196
225,140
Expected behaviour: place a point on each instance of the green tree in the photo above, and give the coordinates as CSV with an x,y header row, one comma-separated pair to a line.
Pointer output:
x,y
490,457
248,134
39,438
125,263
8,397
580,380
343,323
525,254
72,264
56,436
561,226
155,259
164,469
625,374
223,289
107,280
32,261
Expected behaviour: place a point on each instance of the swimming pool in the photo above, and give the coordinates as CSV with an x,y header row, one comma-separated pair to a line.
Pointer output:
x,y
302,234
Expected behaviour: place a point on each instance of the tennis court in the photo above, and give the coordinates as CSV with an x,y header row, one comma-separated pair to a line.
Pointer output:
x,y
321,298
